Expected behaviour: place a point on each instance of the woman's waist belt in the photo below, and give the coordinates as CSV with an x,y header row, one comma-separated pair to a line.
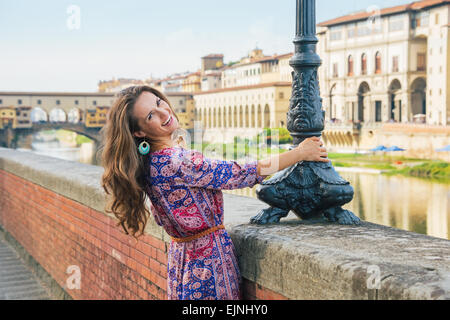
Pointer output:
x,y
198,235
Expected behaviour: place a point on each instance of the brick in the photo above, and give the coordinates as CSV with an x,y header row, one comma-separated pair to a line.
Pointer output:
x,y
152,289
161,257
161,282
124,249
141,258
156,243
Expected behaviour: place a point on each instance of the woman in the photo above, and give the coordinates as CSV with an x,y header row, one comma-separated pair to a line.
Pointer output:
x,y
141,159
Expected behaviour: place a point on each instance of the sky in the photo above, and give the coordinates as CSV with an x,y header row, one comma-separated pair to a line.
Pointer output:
x,y
60,45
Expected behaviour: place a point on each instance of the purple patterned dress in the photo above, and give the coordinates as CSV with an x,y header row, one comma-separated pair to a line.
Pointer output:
x,y
185,190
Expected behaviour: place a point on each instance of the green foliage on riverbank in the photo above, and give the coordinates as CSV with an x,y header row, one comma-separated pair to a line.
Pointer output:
x,y
378,166
439,170
391,165
82,139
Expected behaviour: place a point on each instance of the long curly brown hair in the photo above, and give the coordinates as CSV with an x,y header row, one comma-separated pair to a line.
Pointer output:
x,y
124,175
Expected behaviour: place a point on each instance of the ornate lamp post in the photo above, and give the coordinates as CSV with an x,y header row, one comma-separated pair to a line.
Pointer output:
x,y
309,189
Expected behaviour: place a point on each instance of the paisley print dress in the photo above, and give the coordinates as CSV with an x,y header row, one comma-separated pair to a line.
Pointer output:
x,y
184,188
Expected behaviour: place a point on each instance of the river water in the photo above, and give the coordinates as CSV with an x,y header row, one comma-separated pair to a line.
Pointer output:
x,y
407,203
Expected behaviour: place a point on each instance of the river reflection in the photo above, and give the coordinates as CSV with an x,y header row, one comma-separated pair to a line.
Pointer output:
x,y
406,203
59,144
83,154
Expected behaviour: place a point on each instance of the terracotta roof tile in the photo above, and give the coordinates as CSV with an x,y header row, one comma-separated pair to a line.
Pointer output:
x,y
418,5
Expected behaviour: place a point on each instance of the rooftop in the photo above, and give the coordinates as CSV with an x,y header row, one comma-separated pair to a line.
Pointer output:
x,y
361,15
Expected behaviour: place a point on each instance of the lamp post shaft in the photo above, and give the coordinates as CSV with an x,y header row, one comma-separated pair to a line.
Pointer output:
x,y
311,189
305,117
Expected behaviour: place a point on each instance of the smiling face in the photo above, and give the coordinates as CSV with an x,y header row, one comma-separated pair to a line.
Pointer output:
x,y
155,118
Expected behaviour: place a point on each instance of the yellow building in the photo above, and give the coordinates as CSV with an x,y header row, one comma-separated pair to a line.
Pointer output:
x,y
257,69
192,83
7,117
183,105
91,118
23,117
102,113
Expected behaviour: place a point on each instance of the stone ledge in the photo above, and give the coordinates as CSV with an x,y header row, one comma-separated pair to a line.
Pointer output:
x,y
298,259
306,260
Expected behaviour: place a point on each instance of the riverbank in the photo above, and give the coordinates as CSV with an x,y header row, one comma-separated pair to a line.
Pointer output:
x,y
391,165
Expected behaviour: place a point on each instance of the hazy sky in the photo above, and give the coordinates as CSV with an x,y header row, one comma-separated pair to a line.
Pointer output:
x,y
44,47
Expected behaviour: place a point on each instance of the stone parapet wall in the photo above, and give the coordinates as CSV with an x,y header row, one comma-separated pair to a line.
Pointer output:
x,y
54,209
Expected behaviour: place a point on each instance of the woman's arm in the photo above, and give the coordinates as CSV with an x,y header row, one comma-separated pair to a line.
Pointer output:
x,y
309,150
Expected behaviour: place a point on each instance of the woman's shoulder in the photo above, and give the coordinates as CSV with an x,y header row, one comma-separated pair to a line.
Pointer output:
x,y
166,151
172,158
167,156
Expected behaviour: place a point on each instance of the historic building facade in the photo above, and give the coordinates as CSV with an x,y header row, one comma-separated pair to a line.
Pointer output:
x,y
390,65
254,94
242,111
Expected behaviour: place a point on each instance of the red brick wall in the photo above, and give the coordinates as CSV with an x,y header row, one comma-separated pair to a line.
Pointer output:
x,y
59,232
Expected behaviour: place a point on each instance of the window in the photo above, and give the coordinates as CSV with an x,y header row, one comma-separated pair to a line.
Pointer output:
x,y
421,19
94,103
19,101
351,32
76,102
58,102
39,102
377,111
335,35
363,63
378,62
395,25
395,64
335,70
350,66
363,29
421,65
1,101
281,95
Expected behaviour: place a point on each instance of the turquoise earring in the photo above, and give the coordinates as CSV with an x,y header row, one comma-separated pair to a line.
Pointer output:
x,y
144,147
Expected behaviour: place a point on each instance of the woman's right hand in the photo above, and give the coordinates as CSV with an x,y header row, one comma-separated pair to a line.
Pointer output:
x,y
311,149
